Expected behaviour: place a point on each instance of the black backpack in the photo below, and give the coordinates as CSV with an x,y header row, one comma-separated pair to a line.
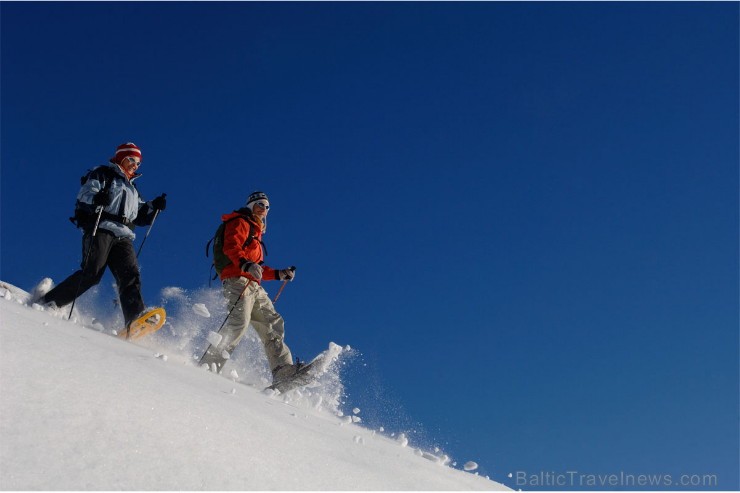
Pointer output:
x,y
84,215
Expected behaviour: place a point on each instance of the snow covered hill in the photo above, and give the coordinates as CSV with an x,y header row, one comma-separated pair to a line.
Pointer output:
x,y
81,410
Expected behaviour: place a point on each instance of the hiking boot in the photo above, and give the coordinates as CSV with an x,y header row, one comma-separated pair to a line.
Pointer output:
x,y
212,361
39,291
52,309
285,372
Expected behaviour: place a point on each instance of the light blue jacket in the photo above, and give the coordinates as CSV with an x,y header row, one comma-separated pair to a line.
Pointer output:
x,y
126,210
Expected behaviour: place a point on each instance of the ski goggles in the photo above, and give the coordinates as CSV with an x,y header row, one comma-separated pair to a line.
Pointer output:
x,y
263,203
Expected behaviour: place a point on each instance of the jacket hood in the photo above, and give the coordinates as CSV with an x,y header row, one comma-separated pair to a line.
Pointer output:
x,y
239,212
245,212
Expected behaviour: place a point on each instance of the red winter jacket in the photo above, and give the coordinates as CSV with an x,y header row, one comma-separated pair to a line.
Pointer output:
x,y
236,234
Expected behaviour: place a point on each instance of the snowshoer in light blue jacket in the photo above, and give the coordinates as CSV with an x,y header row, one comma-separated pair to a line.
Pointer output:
x,y
126,208
112,189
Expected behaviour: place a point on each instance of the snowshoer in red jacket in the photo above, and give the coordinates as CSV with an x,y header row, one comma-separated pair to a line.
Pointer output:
x,y
241,278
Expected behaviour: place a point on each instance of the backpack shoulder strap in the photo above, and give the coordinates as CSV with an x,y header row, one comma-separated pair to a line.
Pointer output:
x,y
107,173
103,172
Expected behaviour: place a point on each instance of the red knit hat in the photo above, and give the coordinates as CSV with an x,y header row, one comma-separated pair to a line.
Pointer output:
x,y
125,150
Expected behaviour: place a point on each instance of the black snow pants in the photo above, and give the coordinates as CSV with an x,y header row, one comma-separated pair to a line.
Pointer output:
x,y
107,251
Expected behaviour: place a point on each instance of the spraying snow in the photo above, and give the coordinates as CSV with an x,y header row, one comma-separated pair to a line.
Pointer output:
x,y
202,310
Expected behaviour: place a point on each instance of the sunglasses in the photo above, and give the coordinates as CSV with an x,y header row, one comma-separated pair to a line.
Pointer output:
x,y
134,160
264,205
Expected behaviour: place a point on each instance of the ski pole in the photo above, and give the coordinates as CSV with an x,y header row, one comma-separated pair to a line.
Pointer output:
x,y
87,257
249,281
156,213
280,291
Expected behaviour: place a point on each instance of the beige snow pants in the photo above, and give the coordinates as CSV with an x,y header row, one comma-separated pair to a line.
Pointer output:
x,y
256,307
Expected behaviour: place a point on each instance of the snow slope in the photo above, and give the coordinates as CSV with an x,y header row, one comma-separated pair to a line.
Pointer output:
x,y
81,410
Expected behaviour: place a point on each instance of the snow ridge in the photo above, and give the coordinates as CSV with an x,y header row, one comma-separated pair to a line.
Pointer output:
x,y
94,412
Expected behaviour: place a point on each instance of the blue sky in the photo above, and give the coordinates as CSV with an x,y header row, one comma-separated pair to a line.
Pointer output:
x,y
524,215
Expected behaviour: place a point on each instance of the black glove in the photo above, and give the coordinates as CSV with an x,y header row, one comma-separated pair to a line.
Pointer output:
x,y
102,198
286,274
160,203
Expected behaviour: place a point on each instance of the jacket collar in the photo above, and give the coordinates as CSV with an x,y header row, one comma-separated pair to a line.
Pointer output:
x,y
120,171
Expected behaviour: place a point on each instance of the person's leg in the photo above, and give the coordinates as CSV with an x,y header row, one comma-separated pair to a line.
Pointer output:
x,y
125,268
89,275
239,295
270,327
